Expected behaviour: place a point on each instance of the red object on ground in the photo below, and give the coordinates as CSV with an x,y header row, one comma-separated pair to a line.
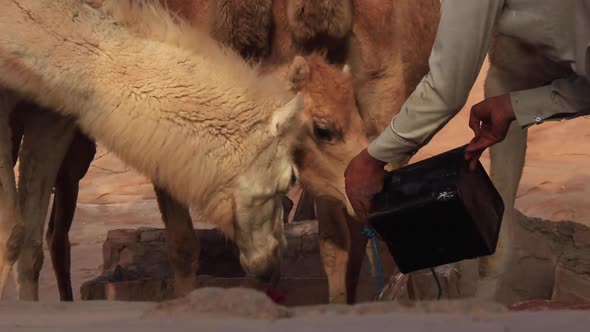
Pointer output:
x,y
545,305
276,296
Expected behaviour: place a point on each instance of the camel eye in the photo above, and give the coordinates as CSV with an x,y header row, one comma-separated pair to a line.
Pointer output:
x,y
323,133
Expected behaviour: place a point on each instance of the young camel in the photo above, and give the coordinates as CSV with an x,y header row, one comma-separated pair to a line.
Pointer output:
x,y
249,30
256,141
388,56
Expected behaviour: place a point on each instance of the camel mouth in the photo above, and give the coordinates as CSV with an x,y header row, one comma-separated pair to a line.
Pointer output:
x,y
267,272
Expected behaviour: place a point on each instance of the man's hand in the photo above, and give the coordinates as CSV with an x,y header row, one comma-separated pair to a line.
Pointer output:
x,y
489,121
363,179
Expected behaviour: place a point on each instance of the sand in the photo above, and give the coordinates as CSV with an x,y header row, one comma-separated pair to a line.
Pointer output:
x,y
208,310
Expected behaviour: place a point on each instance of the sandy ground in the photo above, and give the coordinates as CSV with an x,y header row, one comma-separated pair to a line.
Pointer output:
x,y
243,310
555,186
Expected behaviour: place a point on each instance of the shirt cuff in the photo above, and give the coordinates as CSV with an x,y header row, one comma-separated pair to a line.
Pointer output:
x,y
391,148
536,106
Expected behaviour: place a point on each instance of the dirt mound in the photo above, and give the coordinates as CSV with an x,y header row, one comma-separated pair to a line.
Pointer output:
x,y
218,302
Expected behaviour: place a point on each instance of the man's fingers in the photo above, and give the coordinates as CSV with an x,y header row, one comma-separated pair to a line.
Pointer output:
x,y
472,164
480,143
474,123
474,158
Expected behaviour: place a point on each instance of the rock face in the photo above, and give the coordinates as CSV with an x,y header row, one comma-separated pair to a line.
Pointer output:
x,y
551,261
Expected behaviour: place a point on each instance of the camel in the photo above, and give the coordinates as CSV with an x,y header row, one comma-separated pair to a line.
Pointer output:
x,y
183,245
387,55
245,206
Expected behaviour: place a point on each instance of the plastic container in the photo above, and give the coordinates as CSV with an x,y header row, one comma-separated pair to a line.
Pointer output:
x,y
436,212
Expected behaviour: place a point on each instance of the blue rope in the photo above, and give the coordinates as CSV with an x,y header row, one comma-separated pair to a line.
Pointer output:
x,y
370,233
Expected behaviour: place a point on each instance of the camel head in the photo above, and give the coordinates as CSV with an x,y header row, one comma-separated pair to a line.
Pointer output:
x,y
331,131
257,225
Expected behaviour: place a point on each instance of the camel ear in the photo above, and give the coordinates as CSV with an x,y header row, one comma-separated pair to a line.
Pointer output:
x,y
298,73
284,118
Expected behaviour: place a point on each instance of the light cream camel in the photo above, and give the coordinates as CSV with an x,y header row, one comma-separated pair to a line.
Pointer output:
x,y
181,116
241,25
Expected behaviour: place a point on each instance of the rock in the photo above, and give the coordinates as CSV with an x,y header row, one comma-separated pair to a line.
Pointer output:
x,y
142,254
540,247
136,267
123,235
151,235
572,276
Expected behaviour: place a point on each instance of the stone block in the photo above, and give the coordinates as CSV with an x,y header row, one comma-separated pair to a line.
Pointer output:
x,y
136,267
572,276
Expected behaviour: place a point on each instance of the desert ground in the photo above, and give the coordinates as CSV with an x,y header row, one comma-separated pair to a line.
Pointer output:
x,y
555,186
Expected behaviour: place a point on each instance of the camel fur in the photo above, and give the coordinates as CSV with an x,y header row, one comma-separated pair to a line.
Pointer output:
x,y
179,122
306,26
245,25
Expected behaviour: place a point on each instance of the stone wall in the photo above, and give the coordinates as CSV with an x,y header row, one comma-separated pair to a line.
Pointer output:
x,y
136,267
551,261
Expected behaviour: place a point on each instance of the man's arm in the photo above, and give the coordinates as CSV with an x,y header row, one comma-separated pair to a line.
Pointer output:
x,y
463,38
563,98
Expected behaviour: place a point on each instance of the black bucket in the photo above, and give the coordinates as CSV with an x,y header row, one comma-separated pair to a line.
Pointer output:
x,y
436,212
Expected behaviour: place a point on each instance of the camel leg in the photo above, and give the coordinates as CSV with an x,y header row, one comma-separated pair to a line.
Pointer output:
x,y
47,137
358,247
507,162
183,244
74,167
11,227
334,248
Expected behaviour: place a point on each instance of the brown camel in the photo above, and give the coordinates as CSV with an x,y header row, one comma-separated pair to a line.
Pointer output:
x,y
388,55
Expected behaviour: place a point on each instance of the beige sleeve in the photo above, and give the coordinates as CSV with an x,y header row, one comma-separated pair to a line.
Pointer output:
x,y
563,98
462,41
